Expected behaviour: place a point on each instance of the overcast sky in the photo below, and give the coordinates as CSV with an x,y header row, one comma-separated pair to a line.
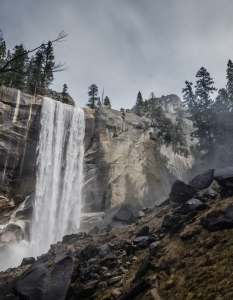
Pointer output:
x,y
125,46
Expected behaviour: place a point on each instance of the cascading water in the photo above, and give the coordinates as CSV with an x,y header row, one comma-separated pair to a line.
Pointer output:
x,y
58,198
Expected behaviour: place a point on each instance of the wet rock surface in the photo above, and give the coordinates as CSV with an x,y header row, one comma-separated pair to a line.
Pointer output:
x,y
181,192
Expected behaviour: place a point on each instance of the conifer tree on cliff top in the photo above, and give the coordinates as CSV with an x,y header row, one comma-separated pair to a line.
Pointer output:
x,y
93,96
200,105
139,104
229,85
107,102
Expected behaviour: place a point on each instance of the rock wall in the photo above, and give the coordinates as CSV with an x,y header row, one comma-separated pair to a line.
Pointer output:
x,y
19,127
125,163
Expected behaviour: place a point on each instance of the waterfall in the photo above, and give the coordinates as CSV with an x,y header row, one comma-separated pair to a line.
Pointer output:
x,y
58,197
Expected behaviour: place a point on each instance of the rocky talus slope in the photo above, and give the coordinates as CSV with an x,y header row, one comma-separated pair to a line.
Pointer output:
x,y
179,250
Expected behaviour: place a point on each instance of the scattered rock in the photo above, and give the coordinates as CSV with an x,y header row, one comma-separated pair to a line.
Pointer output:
x,y
182,192
223,222
84,291
47,278
153,245
123,214
116,292
224,176
203,181
68,237
103,249
27,261
114,280
143,231
169,221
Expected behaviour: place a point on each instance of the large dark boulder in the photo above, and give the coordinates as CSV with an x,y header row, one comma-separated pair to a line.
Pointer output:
x,y
223,222
169,221
88,252
182,192
224,176
124,214
47,278
143,231
203,181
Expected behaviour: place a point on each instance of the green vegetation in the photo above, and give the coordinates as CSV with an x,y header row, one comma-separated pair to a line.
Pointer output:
x,y
93,99
31,74
65,94
172,133
212,118
107,102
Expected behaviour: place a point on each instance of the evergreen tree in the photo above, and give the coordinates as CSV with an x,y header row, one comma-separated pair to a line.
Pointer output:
x,y
139,107
36,64
92,93
49,65
229,85
18,79
65,93
107,102
201,106
2,56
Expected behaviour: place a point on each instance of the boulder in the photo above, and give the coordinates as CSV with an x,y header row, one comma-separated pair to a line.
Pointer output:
x,y
182,192
169,221
28,261
85,291
190,205
203,181
154,245
124,214
223,222
68,237
109,259
224,176
140,239
114,280
47,278
88,252
162,202
143,231
103,249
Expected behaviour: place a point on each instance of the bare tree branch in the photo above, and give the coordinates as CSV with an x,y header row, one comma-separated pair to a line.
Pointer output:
x,y
60,38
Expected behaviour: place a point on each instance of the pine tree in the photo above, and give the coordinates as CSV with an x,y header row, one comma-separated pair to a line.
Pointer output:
x,y
2,56
65,93
229,85
18,79
139,107
107,102
48,65
92,93
36,84
201,106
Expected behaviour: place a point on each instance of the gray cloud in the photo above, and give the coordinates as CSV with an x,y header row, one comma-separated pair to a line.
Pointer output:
x,y
126,45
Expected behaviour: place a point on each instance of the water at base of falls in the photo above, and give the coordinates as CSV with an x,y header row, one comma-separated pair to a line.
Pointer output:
x,y
58,198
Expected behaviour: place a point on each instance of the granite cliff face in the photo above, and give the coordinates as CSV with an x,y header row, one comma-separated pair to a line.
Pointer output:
x,y
125,161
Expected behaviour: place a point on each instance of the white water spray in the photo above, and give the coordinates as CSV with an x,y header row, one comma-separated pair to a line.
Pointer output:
x,y
58,199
